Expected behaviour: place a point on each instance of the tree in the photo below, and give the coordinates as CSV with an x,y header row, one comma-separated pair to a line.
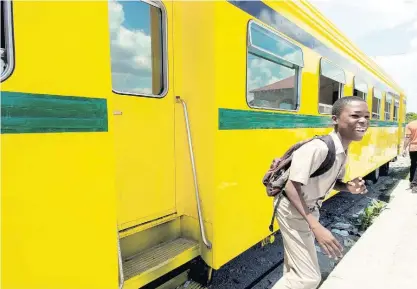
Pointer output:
x,y
410,116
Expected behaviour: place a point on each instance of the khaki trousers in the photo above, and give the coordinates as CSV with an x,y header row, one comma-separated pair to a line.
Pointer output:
x,y
301,267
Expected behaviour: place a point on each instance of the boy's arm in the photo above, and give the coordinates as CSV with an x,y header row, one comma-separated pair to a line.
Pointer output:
x,y
294,194
324,237
340,186
355,186
406,144
407,139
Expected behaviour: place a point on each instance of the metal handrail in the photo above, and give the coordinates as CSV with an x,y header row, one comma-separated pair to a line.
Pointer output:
x,y
120,261
190,146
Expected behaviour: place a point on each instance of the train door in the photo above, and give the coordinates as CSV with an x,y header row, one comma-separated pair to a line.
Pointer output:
x,y
143,110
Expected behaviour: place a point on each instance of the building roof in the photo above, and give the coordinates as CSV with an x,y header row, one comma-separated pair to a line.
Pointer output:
x,y
281,84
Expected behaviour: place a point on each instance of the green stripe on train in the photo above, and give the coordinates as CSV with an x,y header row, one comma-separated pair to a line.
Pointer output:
x,y
232,119
384,123
42,113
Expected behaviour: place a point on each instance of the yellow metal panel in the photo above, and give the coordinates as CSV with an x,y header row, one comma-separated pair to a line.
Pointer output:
x,y
57,55
58,213
58,203
195,74
378,147
194,83
144,145
348,87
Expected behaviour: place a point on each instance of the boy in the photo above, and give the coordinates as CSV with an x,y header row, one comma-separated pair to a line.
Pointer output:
x,y
298,209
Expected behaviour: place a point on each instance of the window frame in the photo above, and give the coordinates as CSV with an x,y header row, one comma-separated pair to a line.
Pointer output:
x,y
359,81
388,96
281,62
341,84
9,40
396,110
164,50
379,104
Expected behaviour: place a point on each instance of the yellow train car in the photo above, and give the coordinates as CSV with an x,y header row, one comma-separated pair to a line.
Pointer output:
x,y
135,134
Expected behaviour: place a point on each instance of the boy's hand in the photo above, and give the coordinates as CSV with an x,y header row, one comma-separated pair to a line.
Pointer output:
x,y
357,186
327,241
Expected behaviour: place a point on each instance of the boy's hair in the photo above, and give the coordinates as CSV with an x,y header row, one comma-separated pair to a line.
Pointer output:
x,y
340,104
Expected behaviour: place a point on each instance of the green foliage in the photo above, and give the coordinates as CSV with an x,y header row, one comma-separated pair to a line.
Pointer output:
x,y
410,116
370,213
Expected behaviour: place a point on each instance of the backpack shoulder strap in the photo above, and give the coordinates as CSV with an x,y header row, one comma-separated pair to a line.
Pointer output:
x,y
330,158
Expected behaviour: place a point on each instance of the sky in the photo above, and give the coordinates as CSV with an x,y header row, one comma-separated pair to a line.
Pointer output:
x,y
386,31
130,46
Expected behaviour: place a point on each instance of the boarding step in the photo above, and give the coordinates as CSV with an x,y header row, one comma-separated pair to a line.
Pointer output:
x,y
181,281
191,285
149,265
146,226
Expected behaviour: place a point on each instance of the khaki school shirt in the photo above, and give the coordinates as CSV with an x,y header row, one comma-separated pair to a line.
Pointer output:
x,y
307,159
411,132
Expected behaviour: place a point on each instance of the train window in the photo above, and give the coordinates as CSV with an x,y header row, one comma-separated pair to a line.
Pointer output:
x,y
138,47
396,105
332,80
273,70
376,103
388,102
6,49
360,88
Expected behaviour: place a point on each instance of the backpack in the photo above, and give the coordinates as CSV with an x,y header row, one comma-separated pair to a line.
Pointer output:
x,y
276,177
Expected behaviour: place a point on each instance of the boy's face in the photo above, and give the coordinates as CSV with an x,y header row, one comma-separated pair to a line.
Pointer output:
x,y
353,121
